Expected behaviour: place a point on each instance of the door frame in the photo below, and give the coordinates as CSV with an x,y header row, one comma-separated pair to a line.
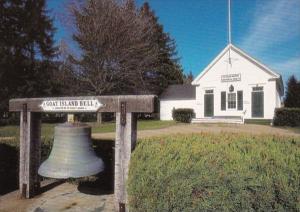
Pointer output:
x,y
262,103
209,93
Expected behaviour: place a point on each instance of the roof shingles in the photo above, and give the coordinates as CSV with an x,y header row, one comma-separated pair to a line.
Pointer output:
x,y
179,92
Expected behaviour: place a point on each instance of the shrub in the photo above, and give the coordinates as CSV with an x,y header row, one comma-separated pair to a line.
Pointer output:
x,y
54,117
287,117
183,114
210,172
9,119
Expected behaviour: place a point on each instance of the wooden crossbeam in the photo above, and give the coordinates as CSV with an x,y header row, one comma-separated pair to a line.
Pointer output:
x,y
134,103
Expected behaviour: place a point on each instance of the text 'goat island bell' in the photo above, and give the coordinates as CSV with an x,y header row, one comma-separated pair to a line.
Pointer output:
x,y
72,155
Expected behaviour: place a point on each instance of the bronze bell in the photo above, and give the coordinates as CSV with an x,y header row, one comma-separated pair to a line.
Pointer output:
x,y
72,155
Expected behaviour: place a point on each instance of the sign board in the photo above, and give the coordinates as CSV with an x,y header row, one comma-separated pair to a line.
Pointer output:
x,y
230,77
71,105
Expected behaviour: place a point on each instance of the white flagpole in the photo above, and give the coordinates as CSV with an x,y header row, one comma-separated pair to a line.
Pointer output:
x,y
229,21
229,29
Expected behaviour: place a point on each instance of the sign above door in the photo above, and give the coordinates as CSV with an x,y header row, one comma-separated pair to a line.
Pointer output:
x,y
231,77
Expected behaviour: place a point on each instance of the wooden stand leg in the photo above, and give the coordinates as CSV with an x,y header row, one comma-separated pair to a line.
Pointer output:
x,y
126,136
30,154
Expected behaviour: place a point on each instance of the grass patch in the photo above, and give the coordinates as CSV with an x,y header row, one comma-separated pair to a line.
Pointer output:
x,y
292,129
14,131
48,129
142,125
213,172
154,124
9,131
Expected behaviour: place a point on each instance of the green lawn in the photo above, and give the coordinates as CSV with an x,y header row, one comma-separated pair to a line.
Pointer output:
x,y
48,129
293,129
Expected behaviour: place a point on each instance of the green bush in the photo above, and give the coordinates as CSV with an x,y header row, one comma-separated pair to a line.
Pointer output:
x,y
9,119
287,117
183,115
210,172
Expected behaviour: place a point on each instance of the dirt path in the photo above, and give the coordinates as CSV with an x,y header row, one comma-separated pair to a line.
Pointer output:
x,y
214,128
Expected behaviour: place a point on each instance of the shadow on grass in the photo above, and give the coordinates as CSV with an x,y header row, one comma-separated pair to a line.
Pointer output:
x,y
103,183
295,129
9,157
291,129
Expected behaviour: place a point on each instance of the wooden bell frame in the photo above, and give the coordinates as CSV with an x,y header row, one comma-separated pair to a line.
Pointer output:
x,y
125,108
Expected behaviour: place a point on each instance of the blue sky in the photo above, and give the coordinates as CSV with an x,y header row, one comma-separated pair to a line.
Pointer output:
x,y
267,30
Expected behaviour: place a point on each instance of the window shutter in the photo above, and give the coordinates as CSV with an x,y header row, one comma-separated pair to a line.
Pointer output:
x,y
240,100
223,100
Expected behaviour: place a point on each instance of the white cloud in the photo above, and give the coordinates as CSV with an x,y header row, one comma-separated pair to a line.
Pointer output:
x,y
288,67
275,22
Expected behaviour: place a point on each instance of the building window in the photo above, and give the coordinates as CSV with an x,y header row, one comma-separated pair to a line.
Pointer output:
x,y
240,100
209,91
257,89
223,100
231,101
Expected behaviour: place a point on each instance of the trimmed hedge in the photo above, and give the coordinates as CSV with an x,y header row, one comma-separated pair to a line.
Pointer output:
x,y
287,117
183,115
215,172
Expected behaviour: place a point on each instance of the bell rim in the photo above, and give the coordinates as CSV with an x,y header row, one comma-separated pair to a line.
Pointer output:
x,y
46,172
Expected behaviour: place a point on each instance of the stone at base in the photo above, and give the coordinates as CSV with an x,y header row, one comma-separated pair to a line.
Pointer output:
x,y
66,197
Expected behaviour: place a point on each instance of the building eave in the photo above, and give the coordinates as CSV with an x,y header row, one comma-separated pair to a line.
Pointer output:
x,y
243,54
208,67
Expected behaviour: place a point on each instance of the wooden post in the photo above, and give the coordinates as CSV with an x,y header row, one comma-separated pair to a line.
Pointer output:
x,y
30,155
125,142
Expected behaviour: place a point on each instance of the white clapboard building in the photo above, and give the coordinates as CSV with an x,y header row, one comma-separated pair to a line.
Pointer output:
x,y
234,87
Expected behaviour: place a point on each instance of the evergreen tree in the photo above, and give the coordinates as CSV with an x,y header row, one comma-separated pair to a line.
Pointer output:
x,y
168,70
292,96
26,49
188,79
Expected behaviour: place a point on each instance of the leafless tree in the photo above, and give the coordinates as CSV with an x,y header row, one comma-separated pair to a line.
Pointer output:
x,y
117,46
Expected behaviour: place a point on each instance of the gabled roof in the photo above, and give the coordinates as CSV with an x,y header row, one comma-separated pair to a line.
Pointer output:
x,y
179,92
245,55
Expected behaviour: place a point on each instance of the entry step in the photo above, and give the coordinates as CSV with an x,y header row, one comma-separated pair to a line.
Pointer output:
x,y
219,119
